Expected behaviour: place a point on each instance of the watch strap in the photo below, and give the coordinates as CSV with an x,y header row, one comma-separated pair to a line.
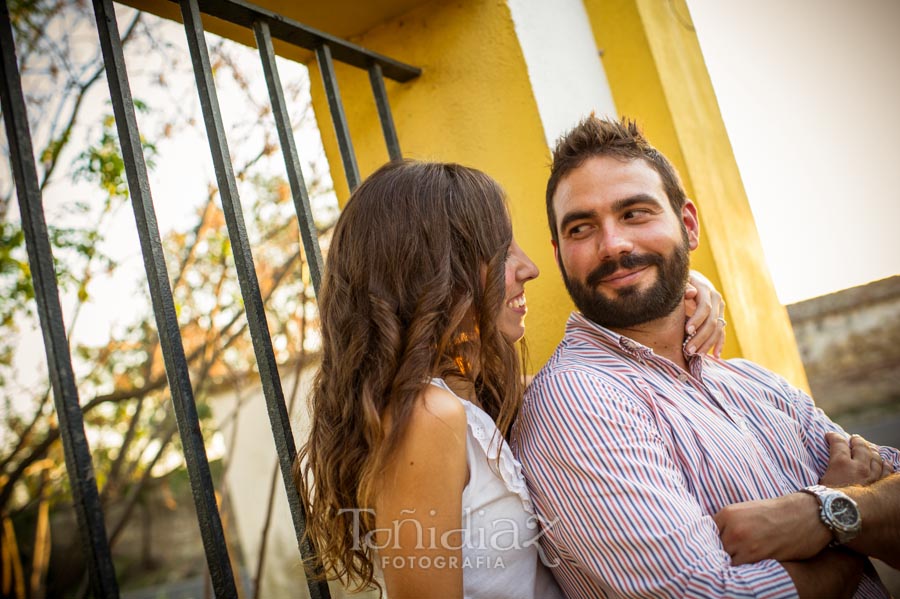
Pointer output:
x,y
825,495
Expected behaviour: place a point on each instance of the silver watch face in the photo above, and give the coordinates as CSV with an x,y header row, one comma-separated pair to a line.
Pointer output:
x,y
844,513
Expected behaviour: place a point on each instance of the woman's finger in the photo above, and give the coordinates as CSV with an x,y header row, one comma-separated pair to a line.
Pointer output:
x,y
716,335
720,344
704,338
702,313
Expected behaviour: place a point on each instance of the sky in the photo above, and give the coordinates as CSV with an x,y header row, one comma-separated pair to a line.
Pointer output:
x,y
808,91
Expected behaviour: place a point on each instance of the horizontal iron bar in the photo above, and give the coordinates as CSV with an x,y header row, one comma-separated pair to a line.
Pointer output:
x,y
88,509
208,519
303,36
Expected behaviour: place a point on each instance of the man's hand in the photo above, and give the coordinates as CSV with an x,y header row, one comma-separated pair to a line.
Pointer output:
x,y
789,528
785,528
853,461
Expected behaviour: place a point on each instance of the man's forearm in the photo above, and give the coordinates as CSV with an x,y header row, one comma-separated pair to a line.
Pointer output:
x,y
879,508
789,528
832,573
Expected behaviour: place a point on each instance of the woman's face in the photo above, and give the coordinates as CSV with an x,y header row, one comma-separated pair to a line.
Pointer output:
x,y
519,269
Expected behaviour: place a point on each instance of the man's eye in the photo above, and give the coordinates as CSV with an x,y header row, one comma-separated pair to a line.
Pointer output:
x,y
633,214
579,231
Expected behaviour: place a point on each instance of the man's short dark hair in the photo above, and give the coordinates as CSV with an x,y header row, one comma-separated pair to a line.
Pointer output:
x,y
620,139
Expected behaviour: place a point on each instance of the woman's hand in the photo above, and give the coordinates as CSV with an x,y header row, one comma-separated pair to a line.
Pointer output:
x,y
706,310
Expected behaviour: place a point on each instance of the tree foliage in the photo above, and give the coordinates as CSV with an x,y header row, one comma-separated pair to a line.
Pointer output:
x,y
122,382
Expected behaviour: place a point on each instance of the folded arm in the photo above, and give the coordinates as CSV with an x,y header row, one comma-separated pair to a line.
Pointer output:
x,y
621,516
789,527
879,506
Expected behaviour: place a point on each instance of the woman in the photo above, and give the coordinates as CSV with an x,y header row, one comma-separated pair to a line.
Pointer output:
x,y
406,473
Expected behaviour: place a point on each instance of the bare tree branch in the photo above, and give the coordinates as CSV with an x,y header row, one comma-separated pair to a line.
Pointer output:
x,y
112,479
159,382
25,437
135,490
54,146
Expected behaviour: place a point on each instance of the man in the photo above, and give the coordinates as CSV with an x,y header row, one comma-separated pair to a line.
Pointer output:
x,y
658,472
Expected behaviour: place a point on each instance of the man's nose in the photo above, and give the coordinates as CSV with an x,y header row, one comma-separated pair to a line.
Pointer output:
x,y
614,242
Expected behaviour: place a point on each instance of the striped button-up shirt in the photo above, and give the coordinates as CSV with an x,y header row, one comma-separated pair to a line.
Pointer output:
x,y
628,457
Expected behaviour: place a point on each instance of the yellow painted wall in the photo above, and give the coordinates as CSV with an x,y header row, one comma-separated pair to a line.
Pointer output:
x,y
473,104
656,72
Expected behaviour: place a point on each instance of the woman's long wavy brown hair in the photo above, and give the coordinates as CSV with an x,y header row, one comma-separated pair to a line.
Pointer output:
x,y
413,285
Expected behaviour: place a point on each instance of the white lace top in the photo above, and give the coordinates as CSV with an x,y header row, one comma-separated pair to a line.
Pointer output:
x,y
501,555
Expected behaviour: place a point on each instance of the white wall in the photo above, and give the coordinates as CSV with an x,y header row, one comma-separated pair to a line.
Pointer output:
x,y
563,63
250,452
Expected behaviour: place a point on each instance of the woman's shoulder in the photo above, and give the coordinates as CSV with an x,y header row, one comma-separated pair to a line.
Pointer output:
x,y
432,449
438,411
437,418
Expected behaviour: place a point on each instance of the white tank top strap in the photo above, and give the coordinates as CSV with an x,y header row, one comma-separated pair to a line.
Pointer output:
x,y
485,432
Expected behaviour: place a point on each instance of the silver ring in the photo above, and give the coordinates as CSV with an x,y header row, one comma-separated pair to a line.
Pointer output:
x,y
722,320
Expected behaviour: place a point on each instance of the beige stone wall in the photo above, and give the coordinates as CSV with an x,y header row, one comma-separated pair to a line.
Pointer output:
x,y
850,345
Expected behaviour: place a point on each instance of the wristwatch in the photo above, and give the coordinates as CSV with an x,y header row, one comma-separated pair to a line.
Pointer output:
x,y
838,512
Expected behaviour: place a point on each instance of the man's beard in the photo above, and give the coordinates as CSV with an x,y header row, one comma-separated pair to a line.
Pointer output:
x,y
631,306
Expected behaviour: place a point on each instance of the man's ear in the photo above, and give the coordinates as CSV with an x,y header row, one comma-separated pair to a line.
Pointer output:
x,y
556,255
691,223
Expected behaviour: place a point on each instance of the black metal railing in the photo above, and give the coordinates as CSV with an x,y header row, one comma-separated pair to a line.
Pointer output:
x,y
266,26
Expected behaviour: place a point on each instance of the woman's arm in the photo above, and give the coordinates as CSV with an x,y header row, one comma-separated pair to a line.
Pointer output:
x,y
706,311
419,503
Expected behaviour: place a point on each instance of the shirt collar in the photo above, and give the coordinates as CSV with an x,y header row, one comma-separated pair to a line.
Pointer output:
x,y
578,322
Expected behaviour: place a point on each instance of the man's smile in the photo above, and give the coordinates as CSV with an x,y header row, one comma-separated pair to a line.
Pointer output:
x,y
623,278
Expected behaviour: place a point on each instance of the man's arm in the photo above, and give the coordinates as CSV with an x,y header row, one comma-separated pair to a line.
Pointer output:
x,y
832,573
879,507
814,425
789,527
621,517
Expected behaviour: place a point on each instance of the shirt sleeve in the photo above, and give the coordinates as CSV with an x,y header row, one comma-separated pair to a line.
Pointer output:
x,y
814,422
617,514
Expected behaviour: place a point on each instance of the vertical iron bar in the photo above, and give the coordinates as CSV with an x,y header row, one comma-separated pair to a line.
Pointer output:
x,y
253,304
384,111
289,150
88,510
208,517
341,130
